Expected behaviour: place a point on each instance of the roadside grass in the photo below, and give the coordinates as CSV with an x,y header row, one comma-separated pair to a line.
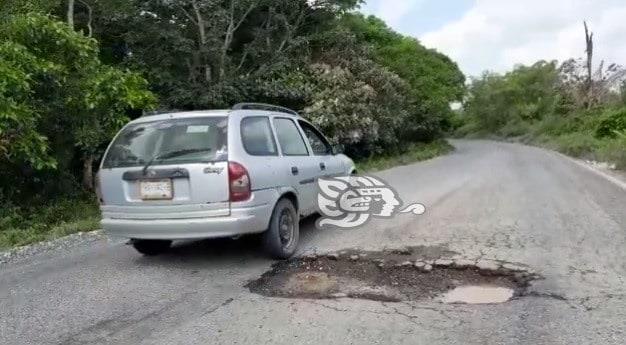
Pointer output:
x,y
27,225
415,153
614,151
22,226
578,137
583,145
584,135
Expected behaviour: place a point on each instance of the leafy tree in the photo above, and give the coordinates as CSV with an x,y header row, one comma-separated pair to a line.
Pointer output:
x,y
366,85
613,124
524,94
19,138
207,54
59,101
10,8
435,81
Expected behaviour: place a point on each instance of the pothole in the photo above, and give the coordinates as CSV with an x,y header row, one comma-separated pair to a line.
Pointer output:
x,y
406,275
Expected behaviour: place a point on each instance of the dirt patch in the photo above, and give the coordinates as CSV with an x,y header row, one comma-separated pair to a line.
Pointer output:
x,y
395,275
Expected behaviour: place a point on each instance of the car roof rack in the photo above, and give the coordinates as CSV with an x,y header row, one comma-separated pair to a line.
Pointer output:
x,y
159,112
263,106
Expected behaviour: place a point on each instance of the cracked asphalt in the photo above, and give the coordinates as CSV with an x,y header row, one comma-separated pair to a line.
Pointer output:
x,y
485,201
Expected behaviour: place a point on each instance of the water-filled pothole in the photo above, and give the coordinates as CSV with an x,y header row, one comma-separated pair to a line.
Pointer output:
x,y
394,276
478,295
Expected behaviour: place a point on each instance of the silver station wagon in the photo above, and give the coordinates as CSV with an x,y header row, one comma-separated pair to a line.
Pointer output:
x,y
211,174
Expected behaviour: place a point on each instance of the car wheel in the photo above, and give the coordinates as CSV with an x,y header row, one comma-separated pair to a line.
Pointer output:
x,y
281,239
152,247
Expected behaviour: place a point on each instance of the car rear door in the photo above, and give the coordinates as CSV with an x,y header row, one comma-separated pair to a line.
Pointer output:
x,y
327,164
297,163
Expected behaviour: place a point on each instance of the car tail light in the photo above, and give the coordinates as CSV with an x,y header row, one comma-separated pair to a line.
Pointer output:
x,y
239,182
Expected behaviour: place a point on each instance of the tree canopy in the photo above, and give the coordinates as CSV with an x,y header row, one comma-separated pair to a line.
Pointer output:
x,y
57,100
76,71
575,107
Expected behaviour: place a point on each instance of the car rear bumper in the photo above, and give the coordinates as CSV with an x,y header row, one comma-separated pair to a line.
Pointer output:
x,y
241,221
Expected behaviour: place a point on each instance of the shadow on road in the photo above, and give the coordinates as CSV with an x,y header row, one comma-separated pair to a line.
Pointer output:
x,y
221,251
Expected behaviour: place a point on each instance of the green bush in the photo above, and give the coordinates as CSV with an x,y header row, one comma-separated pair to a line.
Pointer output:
x,y
24,225
612,123
578,144
515,128
414,153
615,151
553,125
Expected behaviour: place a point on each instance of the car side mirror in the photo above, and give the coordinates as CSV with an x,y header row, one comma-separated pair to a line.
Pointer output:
x,y
337,149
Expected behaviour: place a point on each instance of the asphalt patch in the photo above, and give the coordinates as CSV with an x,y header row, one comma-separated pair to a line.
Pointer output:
x,y
392,276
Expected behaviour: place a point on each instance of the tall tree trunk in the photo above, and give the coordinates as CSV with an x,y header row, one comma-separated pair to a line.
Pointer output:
x,y
233,25
88,172
589,51
70,13
203,40
89,18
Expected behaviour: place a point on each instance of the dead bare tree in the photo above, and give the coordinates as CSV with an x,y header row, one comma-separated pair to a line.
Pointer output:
x,y
70,13
589,51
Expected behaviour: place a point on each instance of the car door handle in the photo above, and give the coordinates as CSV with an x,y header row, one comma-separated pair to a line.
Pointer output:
x,y
294,170
322,166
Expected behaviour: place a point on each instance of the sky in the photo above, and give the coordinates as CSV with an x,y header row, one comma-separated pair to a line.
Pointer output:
x,y
496,35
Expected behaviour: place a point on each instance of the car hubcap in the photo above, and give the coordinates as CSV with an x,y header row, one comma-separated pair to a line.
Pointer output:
x,y
286,227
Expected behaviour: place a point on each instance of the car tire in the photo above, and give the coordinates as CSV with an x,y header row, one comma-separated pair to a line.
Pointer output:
x,y
152,247
281,239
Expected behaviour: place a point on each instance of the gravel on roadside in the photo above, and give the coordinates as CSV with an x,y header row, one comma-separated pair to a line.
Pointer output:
x,y
63,243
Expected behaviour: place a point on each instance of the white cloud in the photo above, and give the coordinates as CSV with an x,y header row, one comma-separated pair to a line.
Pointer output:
x,y
392,11
497,34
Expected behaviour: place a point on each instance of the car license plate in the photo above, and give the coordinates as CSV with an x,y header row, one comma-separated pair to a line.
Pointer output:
x,y
156,189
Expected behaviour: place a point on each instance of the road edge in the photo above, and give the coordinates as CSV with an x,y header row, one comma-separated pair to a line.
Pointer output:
x,y
596,170
611,177
62,243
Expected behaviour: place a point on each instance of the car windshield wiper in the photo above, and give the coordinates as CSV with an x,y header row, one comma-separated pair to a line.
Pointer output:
x,y
172,154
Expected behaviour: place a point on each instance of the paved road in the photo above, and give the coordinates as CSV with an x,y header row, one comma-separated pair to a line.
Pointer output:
x,y
490,200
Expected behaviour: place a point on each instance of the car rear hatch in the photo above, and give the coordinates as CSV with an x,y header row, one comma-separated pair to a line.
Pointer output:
x,y
167,169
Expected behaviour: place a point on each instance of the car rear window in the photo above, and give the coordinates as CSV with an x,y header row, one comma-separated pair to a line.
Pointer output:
x,y
195,140
291,142
257,137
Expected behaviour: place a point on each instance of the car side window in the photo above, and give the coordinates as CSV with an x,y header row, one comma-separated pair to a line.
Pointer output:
x,y
257,137
289,138
319,144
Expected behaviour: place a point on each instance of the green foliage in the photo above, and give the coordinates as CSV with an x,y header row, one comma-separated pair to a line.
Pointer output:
x,y
414,153
434,81
109,93
10,8
207,54
25,225
65,92
613,123
456,120
525,94
537,104
577,144
19,138
362,108
614,150
57,100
